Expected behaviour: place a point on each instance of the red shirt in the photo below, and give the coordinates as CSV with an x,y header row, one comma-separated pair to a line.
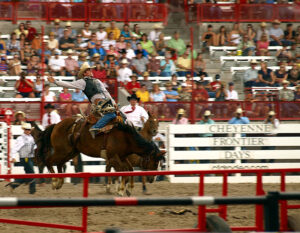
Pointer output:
x,y
131,86
24,87
31,33
215,85
99,74
201,94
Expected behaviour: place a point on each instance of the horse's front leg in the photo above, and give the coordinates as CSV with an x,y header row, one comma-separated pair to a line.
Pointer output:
x,y
130,168
60,169
108,182
54,180
144,179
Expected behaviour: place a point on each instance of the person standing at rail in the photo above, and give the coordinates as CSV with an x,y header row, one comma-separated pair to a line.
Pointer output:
x,y
25,147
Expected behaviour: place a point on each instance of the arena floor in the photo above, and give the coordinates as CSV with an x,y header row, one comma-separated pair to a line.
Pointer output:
x,y
128,217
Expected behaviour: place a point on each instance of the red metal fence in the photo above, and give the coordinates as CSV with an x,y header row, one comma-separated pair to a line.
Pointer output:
x,y
47,11
242,12
202,210
166,111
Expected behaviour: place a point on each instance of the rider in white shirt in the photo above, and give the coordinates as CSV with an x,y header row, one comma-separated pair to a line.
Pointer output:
x,y
135,114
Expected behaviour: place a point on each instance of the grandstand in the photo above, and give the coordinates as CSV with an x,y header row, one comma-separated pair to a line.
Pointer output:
x,y
227,52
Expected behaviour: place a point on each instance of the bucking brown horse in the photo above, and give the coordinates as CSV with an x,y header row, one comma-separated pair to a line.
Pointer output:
x,y
119,143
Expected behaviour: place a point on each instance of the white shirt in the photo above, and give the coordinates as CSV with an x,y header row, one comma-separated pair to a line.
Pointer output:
x,y
130,54
24,146
135,116
154,35
124,75
106,43
49,97
101,35
55,118
56,64
232,95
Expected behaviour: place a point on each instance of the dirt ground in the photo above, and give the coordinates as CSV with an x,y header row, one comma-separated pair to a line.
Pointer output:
x,y
129,218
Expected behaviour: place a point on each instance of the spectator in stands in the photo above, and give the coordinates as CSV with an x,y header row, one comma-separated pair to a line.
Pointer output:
x,y
184,94
49,96
251,75
130,54
139,48
71,65
2,45
160,45
133,85
71,32
265,75
199,64
262,46
57,31
221,93
13,44
121,44
65,96
24,87
180,119
157,95
124,73
82,58
135,114
66,42
79,96
26,53
126,33
112,67
143,93
36,42
101,34
174,82
22,41
235,35
176,45
20,118
189,50
146,81
276,34
47,52
222,37
3,67
239,119
57,65
216,84
98,49
247,46
38,86
53,42
136,32
294,75
283,55
232,94
184,65
280,75
154,66
262,30
171,95
109,41
147,44
15,66
208,38
21,29
289,34
154,34
79,44
116,31
112,51
200,93
31,31
286,94
86,32
139,64
33,65
99,71
167,66
50,116
297,93
206,120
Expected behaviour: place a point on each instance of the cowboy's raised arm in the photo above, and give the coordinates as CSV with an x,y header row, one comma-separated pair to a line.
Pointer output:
x,y
78,84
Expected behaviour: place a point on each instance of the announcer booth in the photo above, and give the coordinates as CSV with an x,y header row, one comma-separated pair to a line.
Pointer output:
x,y
225,146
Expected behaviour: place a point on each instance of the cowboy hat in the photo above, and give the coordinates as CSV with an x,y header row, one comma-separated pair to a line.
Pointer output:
x,y
239,110
20,112
271,113
82,54
285,82
181,111
26,126
68,24
253,61
146,73
207,113
124,61
263,24
276,21
57,21
49,106
158,26
70,51
83,68
96,55
133,97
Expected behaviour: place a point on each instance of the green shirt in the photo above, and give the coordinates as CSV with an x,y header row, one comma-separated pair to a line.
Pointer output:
x,y
148,46
179,45
209,122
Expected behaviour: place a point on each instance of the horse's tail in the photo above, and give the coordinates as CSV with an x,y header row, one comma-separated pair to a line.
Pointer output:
x,y
45,145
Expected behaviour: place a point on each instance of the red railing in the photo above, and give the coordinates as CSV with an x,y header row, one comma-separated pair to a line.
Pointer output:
x,y
166,111
48,11
242,12
202,211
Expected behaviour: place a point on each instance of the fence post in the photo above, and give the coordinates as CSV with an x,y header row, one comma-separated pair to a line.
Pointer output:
x,y
85,208
271,212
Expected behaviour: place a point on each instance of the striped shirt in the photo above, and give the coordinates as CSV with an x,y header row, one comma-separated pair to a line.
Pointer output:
x,y
24,146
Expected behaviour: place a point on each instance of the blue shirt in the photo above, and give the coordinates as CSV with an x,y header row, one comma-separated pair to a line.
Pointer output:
x,y
168,67
171,93
241,121
209,122
79,96
101,51
126,35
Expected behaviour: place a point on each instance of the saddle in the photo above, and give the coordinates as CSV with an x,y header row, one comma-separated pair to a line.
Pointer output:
x,y
92,119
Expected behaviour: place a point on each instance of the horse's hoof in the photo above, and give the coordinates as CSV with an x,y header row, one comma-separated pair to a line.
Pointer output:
x,y
120,193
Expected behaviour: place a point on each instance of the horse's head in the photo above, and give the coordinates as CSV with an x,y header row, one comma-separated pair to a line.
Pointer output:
x,y
36,132
152,162
152,124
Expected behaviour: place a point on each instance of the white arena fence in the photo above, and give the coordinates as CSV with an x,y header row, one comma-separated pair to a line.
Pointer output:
x,y
252,146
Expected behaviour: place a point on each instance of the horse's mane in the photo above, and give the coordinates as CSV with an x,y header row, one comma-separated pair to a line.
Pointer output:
x,y
35,125
141,142
46,142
